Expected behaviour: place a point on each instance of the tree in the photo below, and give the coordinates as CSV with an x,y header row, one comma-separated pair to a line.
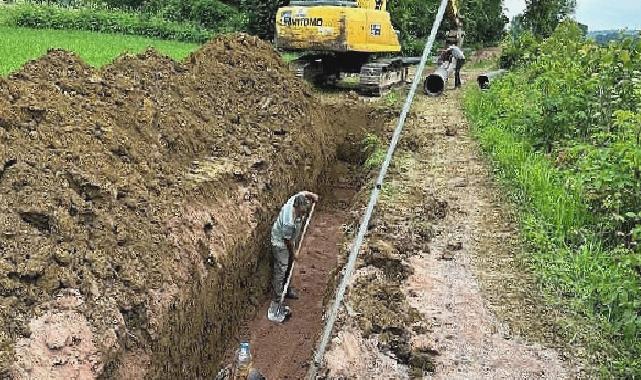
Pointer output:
x,y
542,17
483,20
262,15
413,19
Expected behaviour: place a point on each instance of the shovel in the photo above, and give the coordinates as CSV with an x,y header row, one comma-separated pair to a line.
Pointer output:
x,y
277,311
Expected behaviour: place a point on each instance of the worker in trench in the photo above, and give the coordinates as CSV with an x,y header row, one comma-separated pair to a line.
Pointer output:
x,y
285,237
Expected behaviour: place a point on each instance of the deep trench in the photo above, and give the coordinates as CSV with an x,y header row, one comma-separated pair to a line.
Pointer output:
x,y
205,327
284,351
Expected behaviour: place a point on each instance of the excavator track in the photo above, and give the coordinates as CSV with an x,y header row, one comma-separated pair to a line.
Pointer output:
x,y
308,69
320,70
378,77
375,78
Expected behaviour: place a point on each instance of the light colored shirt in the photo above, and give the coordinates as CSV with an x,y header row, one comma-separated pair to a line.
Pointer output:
x,y
457,52
285,225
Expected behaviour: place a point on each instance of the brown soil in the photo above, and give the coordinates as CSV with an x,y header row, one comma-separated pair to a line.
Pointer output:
x,y
146,189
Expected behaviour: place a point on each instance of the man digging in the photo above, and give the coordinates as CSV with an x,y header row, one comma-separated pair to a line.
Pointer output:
x,y
285,237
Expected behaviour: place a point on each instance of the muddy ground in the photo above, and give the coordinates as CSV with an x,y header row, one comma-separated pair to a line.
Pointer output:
x,y
440,291
136,200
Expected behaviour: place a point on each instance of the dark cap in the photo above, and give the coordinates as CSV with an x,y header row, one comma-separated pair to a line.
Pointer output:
x,y
300,200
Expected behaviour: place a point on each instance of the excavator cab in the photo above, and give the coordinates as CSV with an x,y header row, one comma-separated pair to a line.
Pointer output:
x,y
337,26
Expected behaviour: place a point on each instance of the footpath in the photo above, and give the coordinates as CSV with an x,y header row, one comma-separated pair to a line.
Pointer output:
x,y
439,292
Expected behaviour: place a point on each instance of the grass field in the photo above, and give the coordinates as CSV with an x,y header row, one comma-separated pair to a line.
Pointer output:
x,y
19,45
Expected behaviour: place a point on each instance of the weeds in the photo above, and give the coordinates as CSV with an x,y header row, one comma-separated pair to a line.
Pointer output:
x,y
392,98
375,151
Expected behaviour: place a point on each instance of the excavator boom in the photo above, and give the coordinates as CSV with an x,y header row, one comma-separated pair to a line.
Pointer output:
x,y
454,15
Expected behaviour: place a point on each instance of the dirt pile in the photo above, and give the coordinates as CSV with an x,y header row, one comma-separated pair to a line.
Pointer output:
x,y
135,202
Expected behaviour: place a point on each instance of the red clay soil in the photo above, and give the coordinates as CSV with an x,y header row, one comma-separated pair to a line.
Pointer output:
x,y
283,351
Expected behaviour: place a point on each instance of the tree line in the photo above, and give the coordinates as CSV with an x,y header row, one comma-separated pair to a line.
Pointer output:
x,y
484,20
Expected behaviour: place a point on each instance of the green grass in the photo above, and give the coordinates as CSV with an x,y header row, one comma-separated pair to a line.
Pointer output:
x,y
19,45
596,285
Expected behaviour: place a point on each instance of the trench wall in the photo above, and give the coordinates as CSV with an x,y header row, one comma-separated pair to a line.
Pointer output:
x,y
205,322
136,203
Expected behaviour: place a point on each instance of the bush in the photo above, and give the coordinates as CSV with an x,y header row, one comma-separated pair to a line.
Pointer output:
x,y
564,130
515,49
210,14
109,21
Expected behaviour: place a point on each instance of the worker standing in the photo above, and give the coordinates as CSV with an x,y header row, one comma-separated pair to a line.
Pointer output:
x,y
457,54
285,236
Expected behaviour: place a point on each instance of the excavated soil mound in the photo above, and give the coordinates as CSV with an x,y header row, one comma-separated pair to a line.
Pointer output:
x,y
135,204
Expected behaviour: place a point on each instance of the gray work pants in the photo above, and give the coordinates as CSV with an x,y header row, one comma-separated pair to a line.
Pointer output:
x,y
282,266
283,263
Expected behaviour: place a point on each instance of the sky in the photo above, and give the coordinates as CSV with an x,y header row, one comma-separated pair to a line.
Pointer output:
x,y
597,14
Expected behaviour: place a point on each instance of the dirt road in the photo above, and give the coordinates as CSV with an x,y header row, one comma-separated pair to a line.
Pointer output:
x,y
441,259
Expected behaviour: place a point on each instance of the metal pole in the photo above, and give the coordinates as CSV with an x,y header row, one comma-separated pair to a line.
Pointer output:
x,y
351,263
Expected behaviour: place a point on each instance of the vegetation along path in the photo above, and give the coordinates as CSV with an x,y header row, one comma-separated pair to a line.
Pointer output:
x,y
440,291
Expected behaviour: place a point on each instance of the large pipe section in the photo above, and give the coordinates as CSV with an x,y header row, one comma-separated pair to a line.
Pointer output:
x,y
484,80
435,83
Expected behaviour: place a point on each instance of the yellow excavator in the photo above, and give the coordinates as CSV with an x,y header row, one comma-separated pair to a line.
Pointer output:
x,y
348,36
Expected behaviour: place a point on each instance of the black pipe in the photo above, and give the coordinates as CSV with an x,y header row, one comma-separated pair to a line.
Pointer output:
x,y
435,83
484,80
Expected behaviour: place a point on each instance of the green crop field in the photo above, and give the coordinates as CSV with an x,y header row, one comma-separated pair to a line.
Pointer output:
x,y
19,45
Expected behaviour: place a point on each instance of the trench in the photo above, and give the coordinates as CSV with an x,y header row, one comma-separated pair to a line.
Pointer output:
x,y
204,328
284,351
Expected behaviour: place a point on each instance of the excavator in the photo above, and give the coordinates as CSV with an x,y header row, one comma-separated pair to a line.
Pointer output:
x,y
349,36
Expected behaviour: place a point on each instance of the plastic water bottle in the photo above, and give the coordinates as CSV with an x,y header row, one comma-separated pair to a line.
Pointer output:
x,y
243,361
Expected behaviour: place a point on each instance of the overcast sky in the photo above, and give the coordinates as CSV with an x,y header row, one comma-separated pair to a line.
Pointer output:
x,y
597,14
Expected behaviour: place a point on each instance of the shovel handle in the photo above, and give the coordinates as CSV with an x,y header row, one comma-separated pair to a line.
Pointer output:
x,y
300,245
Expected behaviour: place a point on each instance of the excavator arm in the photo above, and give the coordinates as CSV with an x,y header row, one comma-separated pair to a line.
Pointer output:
x,y
454,15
